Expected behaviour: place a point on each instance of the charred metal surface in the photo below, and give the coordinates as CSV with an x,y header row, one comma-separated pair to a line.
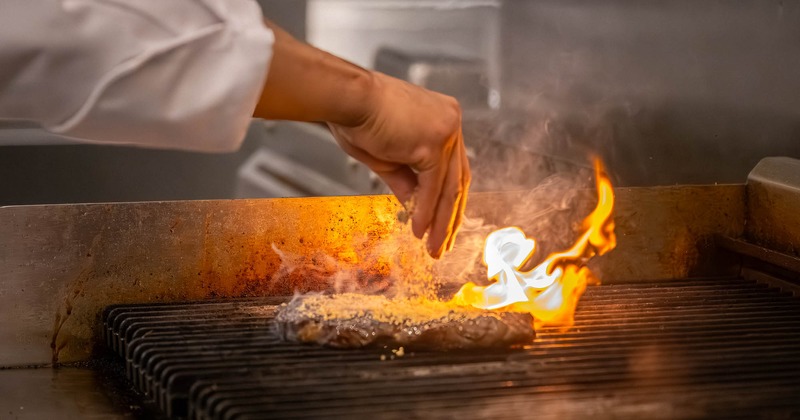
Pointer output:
x,y
62,264
767,255
704,348
667,233
771,281
773,204
662,232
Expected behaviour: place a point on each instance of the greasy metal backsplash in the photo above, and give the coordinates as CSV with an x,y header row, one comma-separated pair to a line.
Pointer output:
x,y
62,264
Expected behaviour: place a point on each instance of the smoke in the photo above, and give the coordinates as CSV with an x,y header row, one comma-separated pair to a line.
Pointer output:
x,y
532,168
397,266
463,263
517,183
550,213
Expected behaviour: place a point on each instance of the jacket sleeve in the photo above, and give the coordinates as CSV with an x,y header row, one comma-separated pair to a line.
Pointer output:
x,y
182,74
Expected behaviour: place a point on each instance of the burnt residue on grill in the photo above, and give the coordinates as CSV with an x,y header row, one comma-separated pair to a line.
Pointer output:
x,y
75,290
677,349
68,262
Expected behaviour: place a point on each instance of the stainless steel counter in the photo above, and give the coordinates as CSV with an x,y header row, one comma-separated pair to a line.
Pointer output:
x,y
64,393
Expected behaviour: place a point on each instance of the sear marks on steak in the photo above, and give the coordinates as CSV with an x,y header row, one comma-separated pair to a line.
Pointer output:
x,y
353,321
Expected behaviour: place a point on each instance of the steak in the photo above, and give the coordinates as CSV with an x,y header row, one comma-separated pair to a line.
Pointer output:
x,y
353,321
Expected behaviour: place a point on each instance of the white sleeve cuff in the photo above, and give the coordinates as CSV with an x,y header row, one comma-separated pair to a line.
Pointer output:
x,y
195,91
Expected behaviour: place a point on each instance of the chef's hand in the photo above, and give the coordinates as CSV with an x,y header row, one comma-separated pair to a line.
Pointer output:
x,y
409,136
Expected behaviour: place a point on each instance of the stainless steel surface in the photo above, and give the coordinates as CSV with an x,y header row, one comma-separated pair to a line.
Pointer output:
x,y
465,78
300,159
662,232
65,393
773,204
357,29
667,92
667,232
266,174
760,253
62,264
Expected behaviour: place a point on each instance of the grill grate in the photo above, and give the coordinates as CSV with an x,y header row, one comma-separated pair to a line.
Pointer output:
x,y
725,348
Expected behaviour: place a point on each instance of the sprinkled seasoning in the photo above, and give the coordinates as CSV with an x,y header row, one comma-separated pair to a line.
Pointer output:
x,y
404,311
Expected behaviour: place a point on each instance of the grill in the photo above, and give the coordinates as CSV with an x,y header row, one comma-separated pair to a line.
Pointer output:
x,y
698,314
682,348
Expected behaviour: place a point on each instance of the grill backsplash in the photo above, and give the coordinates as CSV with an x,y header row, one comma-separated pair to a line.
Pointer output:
x,y
63,264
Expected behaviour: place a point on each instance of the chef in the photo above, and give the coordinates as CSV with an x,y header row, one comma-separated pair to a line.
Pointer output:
x,y
189,74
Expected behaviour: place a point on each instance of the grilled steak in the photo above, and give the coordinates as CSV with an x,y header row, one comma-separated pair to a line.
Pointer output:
x,y
352,320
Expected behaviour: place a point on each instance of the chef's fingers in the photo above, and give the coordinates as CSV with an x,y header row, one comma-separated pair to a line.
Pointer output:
x,y
401,180
466,179
446,214
430,182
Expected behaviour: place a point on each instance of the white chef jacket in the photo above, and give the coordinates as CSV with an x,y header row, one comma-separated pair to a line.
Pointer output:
x,y
180,74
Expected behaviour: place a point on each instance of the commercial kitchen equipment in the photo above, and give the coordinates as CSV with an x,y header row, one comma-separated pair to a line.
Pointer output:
x,y
697,313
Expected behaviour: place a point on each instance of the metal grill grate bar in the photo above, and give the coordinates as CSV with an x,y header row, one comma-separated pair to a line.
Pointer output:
x,y
717,347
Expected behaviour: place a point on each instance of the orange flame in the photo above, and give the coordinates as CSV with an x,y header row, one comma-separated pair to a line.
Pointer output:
x,y
551,290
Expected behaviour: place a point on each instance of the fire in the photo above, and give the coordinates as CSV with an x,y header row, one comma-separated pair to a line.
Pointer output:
x,y
551,290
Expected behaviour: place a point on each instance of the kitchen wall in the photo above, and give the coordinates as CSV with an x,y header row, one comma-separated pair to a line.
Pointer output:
x,y
356,29
668,91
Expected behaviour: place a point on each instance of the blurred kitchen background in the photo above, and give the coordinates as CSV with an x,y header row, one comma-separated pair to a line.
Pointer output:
x,y
666,92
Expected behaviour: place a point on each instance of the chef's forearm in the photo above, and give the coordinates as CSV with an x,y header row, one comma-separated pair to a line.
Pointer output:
x,y
307,84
